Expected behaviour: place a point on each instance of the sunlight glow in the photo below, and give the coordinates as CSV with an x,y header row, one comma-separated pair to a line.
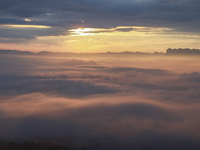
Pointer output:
x,y
27,19
23,26
116,39
82,31
122,30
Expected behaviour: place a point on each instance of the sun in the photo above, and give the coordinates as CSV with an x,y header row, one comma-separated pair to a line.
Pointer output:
x,y
82,31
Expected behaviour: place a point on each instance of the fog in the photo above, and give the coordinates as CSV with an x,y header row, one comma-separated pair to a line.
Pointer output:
x,y
118,101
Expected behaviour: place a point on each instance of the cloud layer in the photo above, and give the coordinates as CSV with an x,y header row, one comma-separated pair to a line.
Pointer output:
x,y
63,15
80,97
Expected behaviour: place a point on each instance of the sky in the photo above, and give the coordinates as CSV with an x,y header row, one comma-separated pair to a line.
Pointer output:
x,y
90,99
90,26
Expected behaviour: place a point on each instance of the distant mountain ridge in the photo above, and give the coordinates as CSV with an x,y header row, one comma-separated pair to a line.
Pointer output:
x,y
169,52
181,51
47,53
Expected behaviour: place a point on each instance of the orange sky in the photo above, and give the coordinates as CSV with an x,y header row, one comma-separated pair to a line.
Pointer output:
x,y
122,38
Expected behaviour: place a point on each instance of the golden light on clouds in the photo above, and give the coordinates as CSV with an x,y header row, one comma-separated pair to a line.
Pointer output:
x,y
95,40
93,74
82,31
23,26
127,38
121,38
27,19
122,30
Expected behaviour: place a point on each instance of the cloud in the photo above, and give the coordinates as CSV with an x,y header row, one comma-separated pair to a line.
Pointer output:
x,y
29,33
18,85
124,29
175,18
133,118
65,97
82,78
146,71
22,34
182,14
73,62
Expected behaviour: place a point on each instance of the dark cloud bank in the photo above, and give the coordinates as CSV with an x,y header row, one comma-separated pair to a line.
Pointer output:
x,y
88,103
62,15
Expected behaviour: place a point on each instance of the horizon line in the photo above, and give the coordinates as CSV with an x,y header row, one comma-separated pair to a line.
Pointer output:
x,y
169,51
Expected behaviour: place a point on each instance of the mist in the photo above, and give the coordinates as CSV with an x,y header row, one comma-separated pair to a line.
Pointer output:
x,y
117,101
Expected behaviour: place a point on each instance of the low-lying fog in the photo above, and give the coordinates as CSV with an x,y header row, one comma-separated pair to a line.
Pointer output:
x,y
151,101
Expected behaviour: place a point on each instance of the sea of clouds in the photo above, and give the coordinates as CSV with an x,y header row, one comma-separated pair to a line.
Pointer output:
x,y
135,101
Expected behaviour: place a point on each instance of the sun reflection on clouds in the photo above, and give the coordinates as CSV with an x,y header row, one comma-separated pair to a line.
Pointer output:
x,y
82,31
27,19
115,39
100,37
118,30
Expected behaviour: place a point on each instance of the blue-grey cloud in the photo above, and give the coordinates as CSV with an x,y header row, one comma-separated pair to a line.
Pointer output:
x,y
29,33
181,15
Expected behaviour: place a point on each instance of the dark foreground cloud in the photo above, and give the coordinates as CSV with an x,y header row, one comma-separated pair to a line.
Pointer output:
x,y
139,123
79,99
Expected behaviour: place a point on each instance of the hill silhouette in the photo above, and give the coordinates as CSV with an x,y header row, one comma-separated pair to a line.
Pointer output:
x,y
48,53
181,51
169,52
